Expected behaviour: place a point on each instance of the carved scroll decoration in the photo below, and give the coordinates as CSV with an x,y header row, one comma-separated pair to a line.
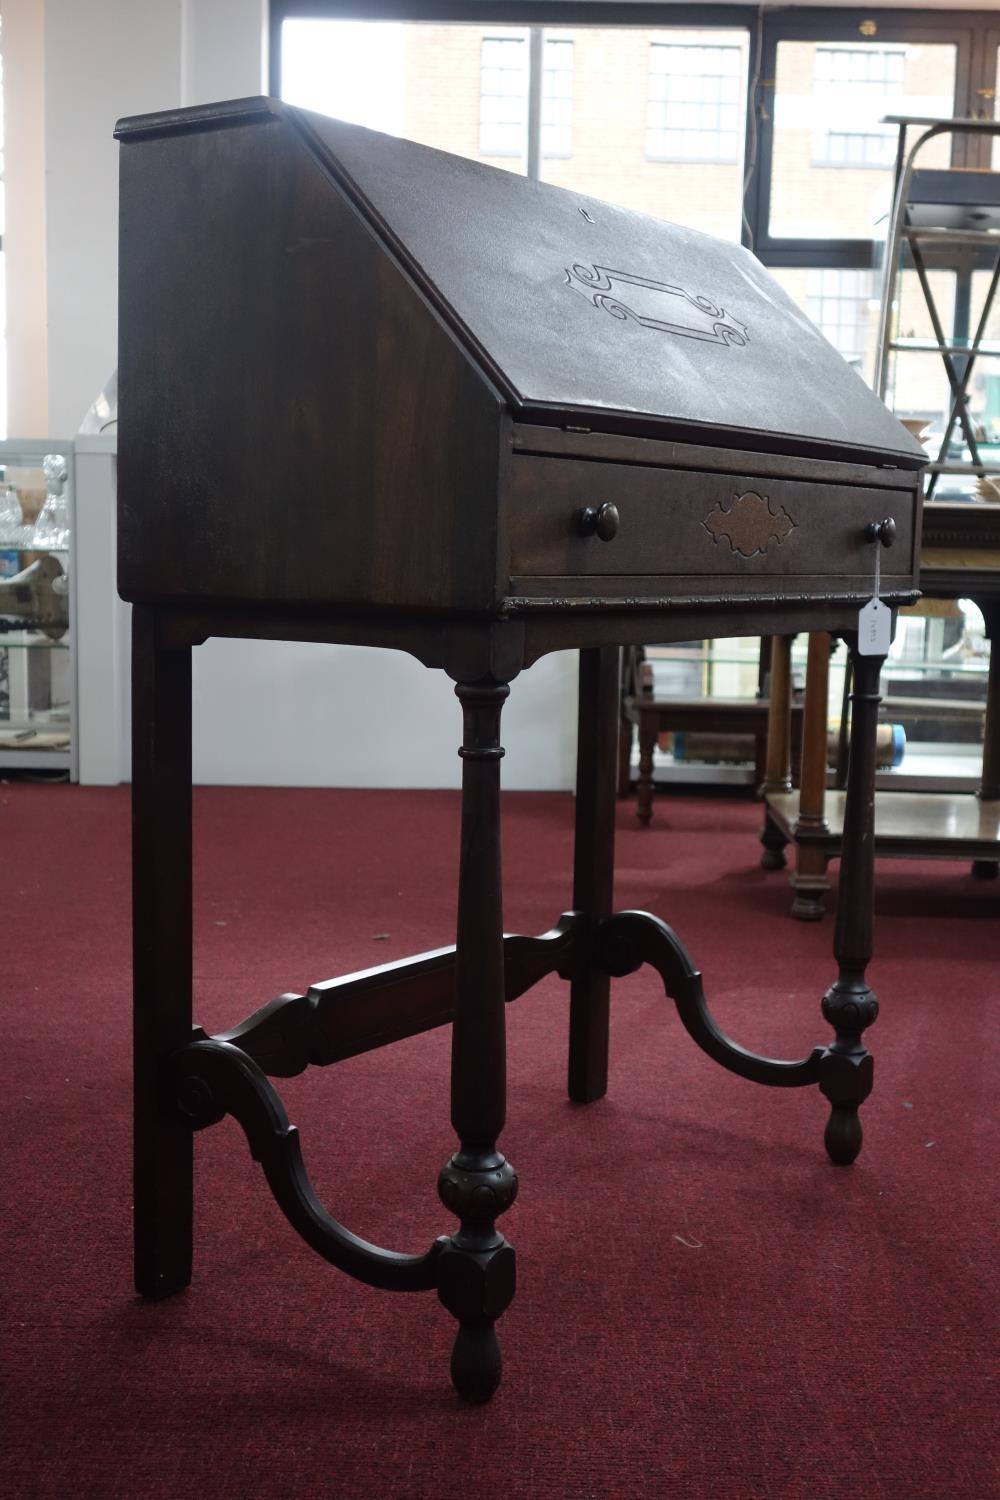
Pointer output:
x,y
656,304
212,1079
215,1076
632,938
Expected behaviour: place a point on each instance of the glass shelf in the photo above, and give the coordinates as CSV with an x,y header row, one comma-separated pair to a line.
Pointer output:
x,y
988,350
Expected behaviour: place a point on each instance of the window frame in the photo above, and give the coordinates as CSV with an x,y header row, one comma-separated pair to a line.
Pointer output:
x,y
894,27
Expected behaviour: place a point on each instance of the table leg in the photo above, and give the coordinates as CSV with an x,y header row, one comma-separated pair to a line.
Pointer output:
x,y
850,1005
161,915
778,774
809,881
593,867
476,1277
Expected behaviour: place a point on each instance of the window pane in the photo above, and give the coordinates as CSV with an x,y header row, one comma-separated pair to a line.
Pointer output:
x,y
657,122
985,382
649,119
557,96
844,305
460,88
695,77
832,166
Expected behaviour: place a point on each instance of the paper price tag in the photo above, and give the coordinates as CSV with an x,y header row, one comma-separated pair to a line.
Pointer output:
x,y
874,628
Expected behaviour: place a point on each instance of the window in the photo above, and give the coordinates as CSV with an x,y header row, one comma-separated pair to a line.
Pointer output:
x,y
557,98
503,101
854,88
503,98
828,159
694,103
840,303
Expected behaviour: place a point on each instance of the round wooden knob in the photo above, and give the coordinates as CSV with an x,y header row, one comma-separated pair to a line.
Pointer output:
x,y
600,520
882,531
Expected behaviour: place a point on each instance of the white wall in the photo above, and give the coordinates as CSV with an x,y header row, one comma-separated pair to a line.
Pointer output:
x,y
223,49
276,713
24,233
103,59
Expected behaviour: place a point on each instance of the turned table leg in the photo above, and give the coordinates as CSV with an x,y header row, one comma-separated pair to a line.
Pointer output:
x,y
593,867
809,881
850,1005
778,775
476,1277
161,916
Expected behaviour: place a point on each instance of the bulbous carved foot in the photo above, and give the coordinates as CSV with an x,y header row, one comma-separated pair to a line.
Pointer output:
x,y
847,1069
846,1080
476,1275
476,1365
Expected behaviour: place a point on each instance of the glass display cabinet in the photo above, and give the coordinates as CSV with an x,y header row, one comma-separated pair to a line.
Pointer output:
x,y
37,668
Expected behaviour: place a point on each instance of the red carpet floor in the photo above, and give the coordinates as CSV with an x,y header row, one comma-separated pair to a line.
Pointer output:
x,y
706,1307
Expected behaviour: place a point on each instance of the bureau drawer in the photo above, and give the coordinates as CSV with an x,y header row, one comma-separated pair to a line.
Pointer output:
x,y
744,532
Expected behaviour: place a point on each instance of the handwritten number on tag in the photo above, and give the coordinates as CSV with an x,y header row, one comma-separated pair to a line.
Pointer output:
x,y
875,618
874,628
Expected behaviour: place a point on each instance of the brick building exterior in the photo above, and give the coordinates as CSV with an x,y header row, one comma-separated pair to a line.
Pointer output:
x,y
653,120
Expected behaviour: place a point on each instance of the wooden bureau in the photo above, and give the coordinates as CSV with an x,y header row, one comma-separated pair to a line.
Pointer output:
x,y
375,394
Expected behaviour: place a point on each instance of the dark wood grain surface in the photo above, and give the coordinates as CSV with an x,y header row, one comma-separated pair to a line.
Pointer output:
x,y
573,303
297,425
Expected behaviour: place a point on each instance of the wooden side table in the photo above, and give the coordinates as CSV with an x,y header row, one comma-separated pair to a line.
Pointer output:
x,y
960,558
655,716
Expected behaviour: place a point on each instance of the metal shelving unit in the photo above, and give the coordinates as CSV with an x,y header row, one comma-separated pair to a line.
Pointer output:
x,y
943,219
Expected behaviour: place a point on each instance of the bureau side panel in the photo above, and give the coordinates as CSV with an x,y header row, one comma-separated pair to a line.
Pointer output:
x,y
297,426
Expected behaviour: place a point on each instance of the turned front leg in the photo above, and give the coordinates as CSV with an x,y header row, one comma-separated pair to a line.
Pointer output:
x,y
593,868
850,1005
476,1279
